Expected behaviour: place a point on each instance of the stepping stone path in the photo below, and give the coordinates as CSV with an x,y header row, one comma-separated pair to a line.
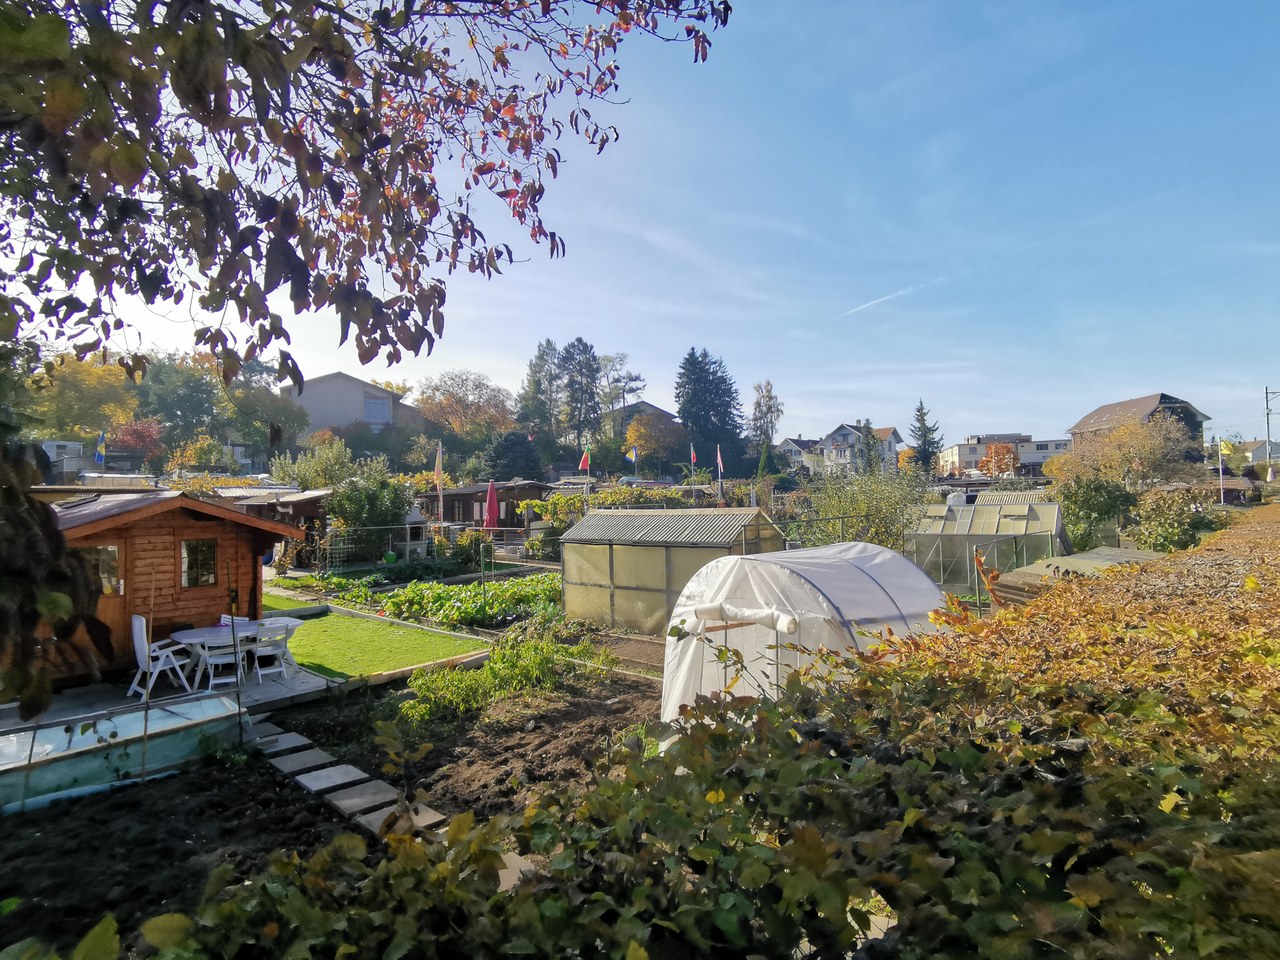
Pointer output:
x,y
359,796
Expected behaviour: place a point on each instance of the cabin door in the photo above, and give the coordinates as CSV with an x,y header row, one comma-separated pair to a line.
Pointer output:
x,y
108,561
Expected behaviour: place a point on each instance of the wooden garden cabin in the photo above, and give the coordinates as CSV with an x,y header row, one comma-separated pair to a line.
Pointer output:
x,y
170,558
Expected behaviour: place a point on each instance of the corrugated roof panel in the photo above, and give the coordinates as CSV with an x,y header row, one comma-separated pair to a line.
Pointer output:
x,y
715,526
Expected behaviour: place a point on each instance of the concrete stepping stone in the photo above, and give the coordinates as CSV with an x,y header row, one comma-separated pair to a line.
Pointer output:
x,y
259,731
363,798
373,821
328,779
423,817
284,743
304,762
514,867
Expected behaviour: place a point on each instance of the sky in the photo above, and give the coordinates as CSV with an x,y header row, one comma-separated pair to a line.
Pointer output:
x,y
1013,211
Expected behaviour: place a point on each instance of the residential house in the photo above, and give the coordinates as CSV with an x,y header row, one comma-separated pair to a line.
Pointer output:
x,y
339,400
1142,410
615,421
839,450
796,452
962,458
1255,451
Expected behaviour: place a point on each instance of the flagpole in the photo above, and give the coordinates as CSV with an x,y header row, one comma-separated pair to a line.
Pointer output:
x,y
1222,486
440,480
719,475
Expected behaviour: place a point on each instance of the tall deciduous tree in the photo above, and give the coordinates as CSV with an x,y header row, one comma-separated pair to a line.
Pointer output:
x,y
927,440
467,403
617,383
581,370
709,407
183,395
655,437
1134,454
766,411
77,399
226,151
1001,458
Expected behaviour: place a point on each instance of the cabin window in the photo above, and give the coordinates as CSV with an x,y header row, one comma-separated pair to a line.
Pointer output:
x,y
104,563
199,563
377,409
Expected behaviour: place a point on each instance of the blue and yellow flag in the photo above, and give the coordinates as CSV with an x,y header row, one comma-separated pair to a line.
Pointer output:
x,y
633,454
100,451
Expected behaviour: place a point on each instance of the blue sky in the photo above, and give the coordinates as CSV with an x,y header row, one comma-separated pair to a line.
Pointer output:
x,y
1016,211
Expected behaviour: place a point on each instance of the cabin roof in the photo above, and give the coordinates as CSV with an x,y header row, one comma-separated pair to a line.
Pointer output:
x,y
85,516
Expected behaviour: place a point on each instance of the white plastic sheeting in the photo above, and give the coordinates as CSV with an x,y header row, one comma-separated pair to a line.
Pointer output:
x,y
780,606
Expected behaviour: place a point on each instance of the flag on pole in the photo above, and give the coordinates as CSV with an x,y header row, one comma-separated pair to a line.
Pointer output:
x,y
440,479
100,451
633,455
693,455
1227,448
585,462
719,462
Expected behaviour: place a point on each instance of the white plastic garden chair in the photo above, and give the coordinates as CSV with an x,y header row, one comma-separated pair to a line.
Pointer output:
x,y
154,659
222,653
227,620
273,644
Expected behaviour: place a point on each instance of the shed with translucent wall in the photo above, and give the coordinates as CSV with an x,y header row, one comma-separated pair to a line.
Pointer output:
x,y
624,569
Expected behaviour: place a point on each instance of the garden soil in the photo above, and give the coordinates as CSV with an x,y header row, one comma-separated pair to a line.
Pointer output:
x,y
145,850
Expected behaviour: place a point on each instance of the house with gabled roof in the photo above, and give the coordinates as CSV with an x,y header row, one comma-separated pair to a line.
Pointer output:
x,y
1141,410
339,400
839,449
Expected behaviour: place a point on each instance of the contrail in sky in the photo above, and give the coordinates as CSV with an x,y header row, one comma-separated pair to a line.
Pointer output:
x,y
905,291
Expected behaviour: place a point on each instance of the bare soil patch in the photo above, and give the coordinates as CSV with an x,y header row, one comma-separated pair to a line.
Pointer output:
x,y
148,849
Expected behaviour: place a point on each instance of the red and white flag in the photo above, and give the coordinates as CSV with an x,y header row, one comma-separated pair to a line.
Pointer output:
x,y
585,462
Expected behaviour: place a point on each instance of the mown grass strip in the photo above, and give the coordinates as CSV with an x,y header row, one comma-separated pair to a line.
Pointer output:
x,y
340,647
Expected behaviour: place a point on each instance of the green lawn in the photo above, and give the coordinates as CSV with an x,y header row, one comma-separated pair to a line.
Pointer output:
x,y
276,601
338,646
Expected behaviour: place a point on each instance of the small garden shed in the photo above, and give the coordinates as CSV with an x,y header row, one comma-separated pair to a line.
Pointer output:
x,y
168,557
776,609
624,569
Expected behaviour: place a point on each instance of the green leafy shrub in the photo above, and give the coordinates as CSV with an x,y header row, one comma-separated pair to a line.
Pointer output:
x,y
470,546
515,665
493,604
534,546
1171,519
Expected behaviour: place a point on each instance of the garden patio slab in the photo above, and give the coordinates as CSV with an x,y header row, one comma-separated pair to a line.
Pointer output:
x,y
304,762
284,743
363,798
331,778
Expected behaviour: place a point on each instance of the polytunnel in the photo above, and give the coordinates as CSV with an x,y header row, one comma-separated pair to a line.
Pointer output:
x,y
775,608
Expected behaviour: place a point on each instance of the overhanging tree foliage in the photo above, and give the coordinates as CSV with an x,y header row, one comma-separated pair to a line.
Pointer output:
x,y
331,154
